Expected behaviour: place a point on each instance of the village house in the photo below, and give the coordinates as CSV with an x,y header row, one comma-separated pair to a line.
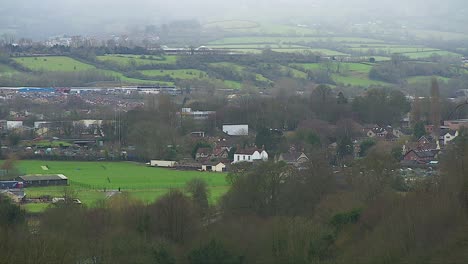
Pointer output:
x,y
388,133
449,136
250,155
203,153
220,153
296,159
456,124
422,156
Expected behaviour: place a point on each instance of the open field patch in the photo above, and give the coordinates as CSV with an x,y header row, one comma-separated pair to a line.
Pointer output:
x,y
285,40
428,54
177,74
425,79
138,60
53,63
5,69
89,180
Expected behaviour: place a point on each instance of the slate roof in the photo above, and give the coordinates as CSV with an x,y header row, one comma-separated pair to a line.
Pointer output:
x,y
248,151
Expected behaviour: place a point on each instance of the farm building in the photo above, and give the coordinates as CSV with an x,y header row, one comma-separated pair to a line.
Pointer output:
x,y
10,185
15,195
213,166
162,163
236,130
43,180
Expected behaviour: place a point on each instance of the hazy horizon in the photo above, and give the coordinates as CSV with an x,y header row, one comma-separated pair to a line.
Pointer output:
x,y
39,19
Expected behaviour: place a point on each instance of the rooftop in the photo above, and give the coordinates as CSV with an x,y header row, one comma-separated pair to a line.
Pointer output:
x,y
43,177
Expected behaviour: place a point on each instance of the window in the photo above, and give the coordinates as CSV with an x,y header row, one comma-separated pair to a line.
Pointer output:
x,y
238,158
243,158
249,157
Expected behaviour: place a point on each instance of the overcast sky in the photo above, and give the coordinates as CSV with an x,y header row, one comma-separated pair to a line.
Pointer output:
x,y
76,16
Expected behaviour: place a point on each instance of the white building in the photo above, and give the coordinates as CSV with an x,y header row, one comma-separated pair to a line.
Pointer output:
x,y
215,166
14,124
162,163
197,115
250,155
236,130
449,136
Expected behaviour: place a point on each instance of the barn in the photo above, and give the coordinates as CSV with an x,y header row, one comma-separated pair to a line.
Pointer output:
x,y
43,180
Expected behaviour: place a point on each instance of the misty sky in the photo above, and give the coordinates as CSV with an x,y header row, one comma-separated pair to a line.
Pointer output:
x,y
30,17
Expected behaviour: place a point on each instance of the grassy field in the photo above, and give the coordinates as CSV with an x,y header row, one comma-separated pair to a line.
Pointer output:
x,y
257,46
428,54
240,69
286,40
137,60
349,73
53,63
177,74
425,79
232,84
89,180
295,73
325,52
5,69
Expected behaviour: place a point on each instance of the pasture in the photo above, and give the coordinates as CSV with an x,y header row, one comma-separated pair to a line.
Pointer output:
x,y
90,180
5,69
428,54
177,74
343,73
137,60
286,40
53,63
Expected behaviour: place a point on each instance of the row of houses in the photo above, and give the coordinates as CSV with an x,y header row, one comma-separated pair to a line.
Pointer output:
x,y
293,158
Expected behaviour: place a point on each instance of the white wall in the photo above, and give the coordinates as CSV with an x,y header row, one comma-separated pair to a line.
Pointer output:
x,y
162,163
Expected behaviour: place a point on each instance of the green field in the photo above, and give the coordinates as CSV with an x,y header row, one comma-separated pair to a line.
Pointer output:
x,y
425,79
295,73
124,60
286,40
90,179
128,80
240,70
232,84
53,63
325,52
428,54
349,73
177,74
5,69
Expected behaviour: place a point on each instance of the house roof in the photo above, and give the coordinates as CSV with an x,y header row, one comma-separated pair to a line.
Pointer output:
x,y
426,153
219,151
248,151
39,177
291,156
212,163
204,150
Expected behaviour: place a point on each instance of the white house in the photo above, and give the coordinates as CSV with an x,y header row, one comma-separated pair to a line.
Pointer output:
x,y
250,155
449,136
236,130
